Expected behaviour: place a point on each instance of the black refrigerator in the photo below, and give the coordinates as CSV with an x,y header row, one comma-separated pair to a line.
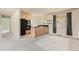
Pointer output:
x,y
25,25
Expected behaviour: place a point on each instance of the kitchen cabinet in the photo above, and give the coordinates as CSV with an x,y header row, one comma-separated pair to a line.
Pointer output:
x,y
26,16
39,31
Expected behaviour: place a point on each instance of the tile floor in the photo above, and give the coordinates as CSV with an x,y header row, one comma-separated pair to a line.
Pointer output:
x,y
46,42
51,42
9,43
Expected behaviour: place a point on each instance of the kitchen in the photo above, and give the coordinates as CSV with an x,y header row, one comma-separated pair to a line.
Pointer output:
x,y
37,26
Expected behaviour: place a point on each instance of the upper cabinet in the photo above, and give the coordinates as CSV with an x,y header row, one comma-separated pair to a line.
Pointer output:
x,y
26,16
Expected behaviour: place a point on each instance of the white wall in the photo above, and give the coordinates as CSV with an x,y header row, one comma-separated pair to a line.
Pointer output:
x,y
75,24
61,22
60,30
0,20
15,24
0,29
0,32
51,25
36,20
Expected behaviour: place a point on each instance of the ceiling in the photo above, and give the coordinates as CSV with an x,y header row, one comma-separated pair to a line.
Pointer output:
x,y
7,11
43,11
33,11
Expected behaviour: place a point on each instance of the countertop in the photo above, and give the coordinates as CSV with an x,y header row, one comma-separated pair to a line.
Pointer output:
x,y
39,26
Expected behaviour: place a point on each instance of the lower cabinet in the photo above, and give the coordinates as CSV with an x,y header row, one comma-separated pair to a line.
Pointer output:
x,y
39,31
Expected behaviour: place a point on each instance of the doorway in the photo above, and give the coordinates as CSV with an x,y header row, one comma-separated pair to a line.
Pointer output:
x,y
6,25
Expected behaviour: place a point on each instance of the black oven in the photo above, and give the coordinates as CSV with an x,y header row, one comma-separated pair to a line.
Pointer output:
x,y
28,24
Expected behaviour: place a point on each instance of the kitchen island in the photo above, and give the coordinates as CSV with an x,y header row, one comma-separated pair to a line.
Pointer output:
x,y
39,30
